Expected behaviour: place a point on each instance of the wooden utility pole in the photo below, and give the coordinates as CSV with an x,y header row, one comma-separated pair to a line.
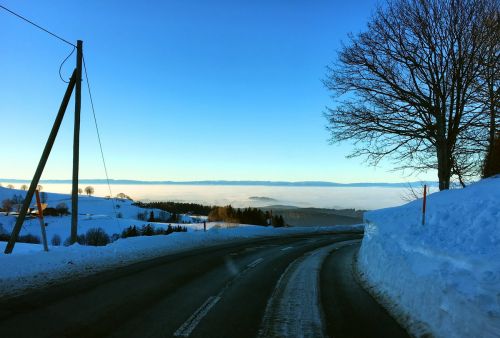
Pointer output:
x,y
41,165
76,141
42,223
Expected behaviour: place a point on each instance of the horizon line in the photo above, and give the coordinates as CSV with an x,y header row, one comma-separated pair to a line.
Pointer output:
x,y
227,182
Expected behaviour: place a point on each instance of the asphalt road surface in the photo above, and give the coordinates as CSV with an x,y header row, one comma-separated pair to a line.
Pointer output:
x,y
301,286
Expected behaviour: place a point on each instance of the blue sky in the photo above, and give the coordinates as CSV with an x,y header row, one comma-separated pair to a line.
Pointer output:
x,y
184,90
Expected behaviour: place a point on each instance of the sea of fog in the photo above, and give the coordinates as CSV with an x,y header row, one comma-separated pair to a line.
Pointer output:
x,y
254,196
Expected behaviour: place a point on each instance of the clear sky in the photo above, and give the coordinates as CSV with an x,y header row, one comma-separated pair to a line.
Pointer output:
x,y
183,90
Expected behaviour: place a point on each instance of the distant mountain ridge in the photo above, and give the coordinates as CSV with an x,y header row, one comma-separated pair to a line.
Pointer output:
x,y
235,183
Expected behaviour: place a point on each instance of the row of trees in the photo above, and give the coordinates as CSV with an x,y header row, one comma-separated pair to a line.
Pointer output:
x,y
245,216
171,211
421,85
151,230
163,216
9,204
89,190
177,207
23,187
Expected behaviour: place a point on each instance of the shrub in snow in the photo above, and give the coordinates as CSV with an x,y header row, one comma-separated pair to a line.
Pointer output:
x,y
50,212
141,216
62,209
114,237
96,237
80,239
147,230
119,215
29,238
160,231
151,216
56,240
7,205
131,231
163,216
176,228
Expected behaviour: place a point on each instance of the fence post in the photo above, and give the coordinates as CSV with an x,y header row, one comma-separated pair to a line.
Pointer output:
x,y
424,204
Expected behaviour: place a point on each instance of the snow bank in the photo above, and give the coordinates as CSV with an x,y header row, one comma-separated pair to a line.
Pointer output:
x,y
444,276
29,267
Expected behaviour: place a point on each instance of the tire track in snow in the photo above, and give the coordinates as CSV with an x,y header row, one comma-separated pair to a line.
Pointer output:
x,y
294,307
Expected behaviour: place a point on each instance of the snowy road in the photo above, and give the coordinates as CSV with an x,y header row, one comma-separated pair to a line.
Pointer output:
x,y
272,288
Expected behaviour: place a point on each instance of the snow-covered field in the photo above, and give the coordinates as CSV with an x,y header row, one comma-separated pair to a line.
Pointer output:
x,y
443,277
29,266
93,212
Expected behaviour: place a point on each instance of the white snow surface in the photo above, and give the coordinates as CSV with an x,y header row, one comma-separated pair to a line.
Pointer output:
x,y
30,267
442,277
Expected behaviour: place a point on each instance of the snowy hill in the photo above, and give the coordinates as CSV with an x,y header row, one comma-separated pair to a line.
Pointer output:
x,y
113,215
445,275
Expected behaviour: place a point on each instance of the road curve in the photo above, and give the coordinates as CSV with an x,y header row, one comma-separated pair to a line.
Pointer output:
x,y
222,291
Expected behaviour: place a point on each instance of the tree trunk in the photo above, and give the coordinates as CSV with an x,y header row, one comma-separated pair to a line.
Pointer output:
x,y
444,165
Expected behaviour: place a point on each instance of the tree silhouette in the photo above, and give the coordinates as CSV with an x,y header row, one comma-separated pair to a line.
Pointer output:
x,y
411,87
89,190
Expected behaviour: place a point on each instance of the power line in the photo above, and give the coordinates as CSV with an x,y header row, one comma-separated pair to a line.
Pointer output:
x,y
62,63
37,26
99,137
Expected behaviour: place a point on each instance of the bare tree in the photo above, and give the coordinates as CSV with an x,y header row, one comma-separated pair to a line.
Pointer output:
x,y
80,191
491,91
89,190
10,186
39,187
7,205
123,196
409,86
24,187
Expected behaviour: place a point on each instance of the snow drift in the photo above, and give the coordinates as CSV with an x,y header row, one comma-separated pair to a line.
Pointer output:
x,y
442,277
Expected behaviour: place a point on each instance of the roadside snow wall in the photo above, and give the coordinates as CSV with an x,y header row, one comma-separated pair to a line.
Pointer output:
x,y
442,278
